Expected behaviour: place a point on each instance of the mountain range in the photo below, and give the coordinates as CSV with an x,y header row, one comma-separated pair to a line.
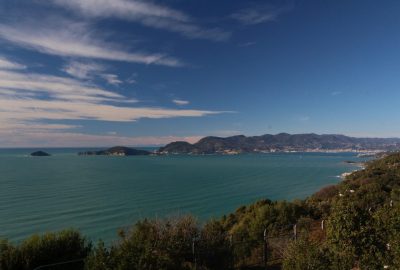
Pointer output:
x,y
282,142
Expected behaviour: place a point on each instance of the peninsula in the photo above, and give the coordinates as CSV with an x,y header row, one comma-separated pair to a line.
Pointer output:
x,y
282,142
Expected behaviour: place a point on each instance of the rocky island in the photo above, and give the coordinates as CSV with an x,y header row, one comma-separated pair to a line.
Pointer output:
x,y
282,142
116,151
40,154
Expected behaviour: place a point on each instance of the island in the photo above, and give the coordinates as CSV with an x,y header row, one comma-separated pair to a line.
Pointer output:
x,y
282,142
40,154
116,151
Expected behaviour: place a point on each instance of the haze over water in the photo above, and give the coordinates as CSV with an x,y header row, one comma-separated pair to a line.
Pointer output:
x,y
100,194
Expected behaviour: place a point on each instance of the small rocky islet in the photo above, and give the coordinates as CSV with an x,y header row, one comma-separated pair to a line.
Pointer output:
x,y
40,154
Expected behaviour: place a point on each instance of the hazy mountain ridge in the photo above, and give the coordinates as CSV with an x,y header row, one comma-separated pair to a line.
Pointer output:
x,y
282,142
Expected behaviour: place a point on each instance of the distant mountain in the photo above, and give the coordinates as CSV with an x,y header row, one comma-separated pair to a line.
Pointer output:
x,y
116,151
282,142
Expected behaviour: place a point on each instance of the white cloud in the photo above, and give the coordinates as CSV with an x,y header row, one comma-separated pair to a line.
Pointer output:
x,y
7,64
259,14
146,13
89,70
55,87
132,9
35,109
76,40
22,127
82,70
111,79
28,101
132,78
69,139
180,102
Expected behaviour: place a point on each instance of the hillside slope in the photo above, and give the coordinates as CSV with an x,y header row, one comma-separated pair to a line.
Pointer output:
x,y
280,142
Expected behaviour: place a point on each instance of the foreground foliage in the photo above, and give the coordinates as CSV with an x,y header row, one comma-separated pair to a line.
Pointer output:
x,y
50,248
360,230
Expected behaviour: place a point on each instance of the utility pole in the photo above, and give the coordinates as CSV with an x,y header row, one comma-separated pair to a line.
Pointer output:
x,y
232,252
194,253
265,255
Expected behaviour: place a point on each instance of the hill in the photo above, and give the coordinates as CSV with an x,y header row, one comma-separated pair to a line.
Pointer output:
x,y
116,151
281,142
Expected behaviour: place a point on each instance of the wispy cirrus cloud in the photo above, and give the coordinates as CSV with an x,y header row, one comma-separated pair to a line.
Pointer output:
x,y
70,139
53,87
125,9
37,97
260,14
89,70
111,78
146,13
180,102
83,70
8,64
69,39
36,105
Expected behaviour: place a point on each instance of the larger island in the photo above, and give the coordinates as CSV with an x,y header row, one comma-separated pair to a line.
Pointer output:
x,y
282,142
116,151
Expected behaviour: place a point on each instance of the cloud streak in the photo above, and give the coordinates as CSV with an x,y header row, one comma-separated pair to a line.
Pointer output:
x,y
180,102
36,105
69,139
83,70
7,64
70,39
145,13
259,14
89,70
111,78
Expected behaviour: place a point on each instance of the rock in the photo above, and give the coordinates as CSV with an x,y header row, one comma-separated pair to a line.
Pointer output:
x,y
40,154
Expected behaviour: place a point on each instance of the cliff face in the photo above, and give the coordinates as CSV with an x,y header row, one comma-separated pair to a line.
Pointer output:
x,y
280,142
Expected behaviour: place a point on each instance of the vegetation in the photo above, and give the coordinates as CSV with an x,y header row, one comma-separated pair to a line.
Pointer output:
x,y
50,248
353,225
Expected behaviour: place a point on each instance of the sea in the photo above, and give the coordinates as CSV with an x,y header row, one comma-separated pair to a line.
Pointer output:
x,y
99,195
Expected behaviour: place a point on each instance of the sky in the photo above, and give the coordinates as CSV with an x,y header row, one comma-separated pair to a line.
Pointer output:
x,y
127,72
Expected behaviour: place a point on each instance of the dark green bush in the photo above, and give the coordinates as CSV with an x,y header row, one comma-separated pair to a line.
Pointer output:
x,y
50,248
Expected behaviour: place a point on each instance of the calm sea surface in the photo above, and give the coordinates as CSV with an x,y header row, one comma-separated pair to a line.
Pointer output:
x,y
100,194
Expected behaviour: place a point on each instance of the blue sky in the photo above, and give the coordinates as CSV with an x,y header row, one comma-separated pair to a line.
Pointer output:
x,y
99,72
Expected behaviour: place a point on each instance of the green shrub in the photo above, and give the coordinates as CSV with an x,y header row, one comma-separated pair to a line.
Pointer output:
x,y
50,248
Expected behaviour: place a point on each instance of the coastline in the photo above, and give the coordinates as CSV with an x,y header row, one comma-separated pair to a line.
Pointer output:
x,y
360,166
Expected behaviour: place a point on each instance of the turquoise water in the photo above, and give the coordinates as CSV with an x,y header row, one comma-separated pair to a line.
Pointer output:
x,y
100,194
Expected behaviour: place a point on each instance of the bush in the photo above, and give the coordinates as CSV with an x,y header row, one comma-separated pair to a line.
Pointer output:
x,y
50,248
304,254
